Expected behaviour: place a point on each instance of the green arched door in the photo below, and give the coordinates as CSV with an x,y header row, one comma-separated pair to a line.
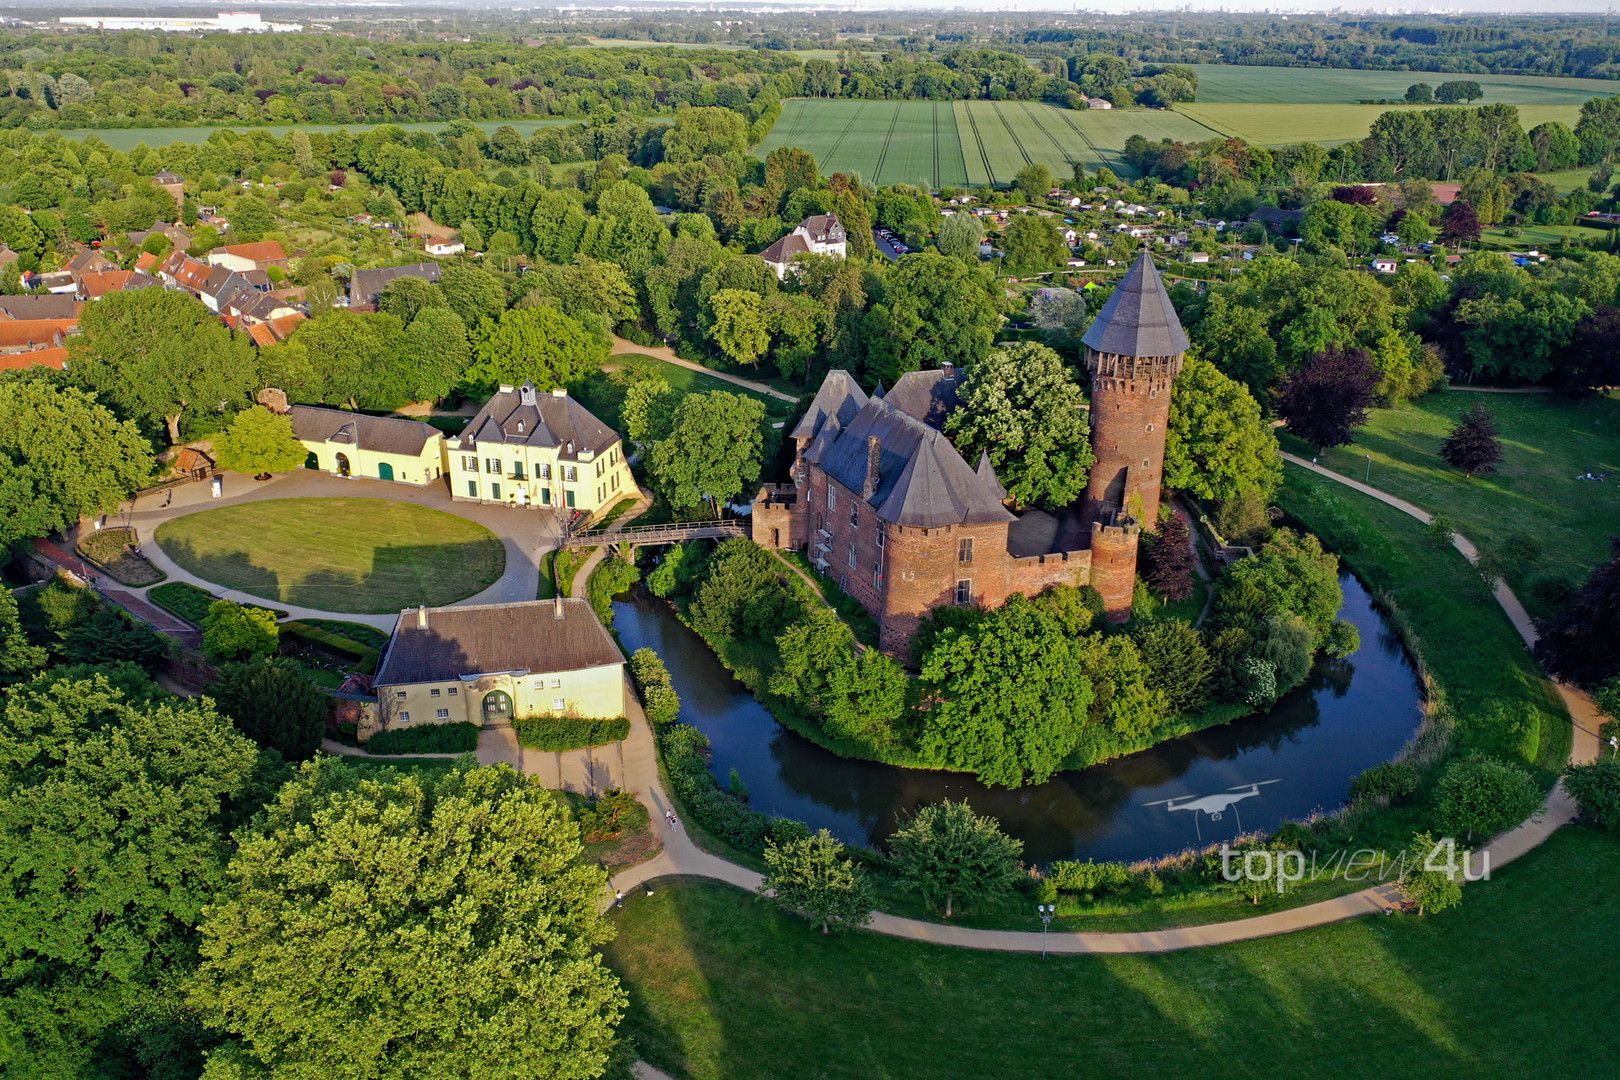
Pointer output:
x,y
313,461
497,707
385,471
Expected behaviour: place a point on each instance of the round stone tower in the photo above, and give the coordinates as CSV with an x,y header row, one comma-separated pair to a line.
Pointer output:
x,y
1134,351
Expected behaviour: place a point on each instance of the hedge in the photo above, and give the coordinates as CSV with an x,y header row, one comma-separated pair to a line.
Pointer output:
x,y
568,732
365,635
658,695
718,812
364,656
190,602
425,739
1596,788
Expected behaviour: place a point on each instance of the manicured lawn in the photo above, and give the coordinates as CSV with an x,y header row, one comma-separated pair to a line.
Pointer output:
x,y
186,600
359,555
605,398
725,986
1539,236
1501,700
1547,442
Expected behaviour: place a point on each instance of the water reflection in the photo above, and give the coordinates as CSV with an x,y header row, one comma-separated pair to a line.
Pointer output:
x,y
1351,714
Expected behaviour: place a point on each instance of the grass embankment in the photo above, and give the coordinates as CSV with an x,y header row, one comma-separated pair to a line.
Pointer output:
x,y
1546,441
1493,690
360,555
190,602
724,986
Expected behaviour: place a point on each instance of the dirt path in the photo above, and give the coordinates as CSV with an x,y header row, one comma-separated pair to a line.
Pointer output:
x,y
622,347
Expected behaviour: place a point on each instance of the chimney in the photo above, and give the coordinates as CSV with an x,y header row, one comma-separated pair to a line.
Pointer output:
x,y
949,371
557,607
874,452
421,617
559,391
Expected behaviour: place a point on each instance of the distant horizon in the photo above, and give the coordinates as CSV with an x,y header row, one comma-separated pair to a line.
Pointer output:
x,y
113,8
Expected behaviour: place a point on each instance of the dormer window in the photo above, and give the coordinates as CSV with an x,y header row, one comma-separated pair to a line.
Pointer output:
x,y
520,427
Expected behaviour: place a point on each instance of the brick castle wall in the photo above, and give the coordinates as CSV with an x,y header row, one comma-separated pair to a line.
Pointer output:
x,y
1130,412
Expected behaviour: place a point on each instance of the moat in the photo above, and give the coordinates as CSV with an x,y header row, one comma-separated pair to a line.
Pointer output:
x,y
1349,715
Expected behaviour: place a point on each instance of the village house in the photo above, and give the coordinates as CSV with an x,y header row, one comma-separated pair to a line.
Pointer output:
x,y
443,248
1098,103
95,285
59,306
539,448
820,234
492,663
367,285
244,257
1382,265
353,444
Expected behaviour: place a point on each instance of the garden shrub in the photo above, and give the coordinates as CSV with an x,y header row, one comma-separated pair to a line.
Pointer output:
x,y
1098,879
611,577
364,656
569,732
658,695
1596,788
365,635
1392,780
425,739
609,816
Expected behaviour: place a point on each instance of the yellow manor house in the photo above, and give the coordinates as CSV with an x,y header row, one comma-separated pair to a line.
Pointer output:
x,y
524,448
492,663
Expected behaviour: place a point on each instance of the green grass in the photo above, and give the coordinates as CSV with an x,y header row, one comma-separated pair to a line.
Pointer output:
x,y
547,588
357,555
1499,697
188,601
604,397
619,509
1323,86
1547,442
1541,236
1272,124
1001,137
725,986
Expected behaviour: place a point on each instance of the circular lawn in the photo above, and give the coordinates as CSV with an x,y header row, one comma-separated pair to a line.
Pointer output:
x,y
370,556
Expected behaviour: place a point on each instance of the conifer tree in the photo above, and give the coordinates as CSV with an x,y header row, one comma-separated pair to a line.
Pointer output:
x,y
1473,445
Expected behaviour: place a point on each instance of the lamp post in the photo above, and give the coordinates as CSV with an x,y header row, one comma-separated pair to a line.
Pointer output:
x,y
1614,746
1045,911
1369,469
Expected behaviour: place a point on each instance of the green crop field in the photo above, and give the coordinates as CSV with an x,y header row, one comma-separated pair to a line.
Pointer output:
x,y
1276,124
965,142
1326,86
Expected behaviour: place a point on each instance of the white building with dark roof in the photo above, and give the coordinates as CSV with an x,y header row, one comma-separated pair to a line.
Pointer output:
x,y
493,663
353,444
539,448
819,234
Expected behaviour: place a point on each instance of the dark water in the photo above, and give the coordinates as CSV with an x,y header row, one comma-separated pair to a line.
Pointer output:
x,y
1351,714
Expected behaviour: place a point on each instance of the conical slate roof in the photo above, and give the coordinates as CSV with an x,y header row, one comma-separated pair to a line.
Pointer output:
x,y
1138,319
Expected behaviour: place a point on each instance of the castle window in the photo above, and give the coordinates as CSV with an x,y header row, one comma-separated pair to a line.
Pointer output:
x,y
1150,428
877,578
1146,463
492,466
832,498
469,463
964,551
851,559
854,515
880,536
964,591
400,694
559,704
453,691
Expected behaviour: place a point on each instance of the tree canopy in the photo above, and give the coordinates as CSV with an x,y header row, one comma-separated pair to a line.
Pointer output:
x,y
535,344
712,453
947,853
1217,443
258,441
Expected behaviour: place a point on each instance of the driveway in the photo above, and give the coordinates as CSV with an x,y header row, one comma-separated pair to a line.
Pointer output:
x,y
526,534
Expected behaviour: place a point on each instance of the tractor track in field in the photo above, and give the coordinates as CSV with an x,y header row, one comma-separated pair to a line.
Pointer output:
x,y
996,108
883,155
1096,153
936,143
832,151
978,141
1029,111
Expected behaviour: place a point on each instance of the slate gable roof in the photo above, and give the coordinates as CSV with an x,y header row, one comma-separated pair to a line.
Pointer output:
x,y
784,249
381,434
1138,319
922,481
930,396
488,638
367,285
522,416
41,306
839,396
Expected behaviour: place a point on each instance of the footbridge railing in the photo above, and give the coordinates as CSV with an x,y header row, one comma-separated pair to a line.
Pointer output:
x,y
672,533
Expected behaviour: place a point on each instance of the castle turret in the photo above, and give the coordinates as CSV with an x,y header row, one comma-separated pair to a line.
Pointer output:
x,y
1134,351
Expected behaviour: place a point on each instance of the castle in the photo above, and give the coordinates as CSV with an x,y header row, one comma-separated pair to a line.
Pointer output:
x,y
882,502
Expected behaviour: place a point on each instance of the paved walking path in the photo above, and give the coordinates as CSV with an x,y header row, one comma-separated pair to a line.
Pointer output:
x,y
682,857
624,347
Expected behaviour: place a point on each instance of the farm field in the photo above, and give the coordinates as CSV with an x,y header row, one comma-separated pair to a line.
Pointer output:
x,y
128,138
1326,86
965,142
1282,125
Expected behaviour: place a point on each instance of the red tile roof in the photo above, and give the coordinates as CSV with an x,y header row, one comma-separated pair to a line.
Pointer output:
x,y
34,332
262,251
55,357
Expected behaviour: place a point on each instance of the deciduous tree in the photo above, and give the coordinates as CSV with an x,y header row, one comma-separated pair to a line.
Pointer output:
x,y
1433,878
1022,406
403,926
712,453
1217,442
259,441
1326,400
537,344
813,875
949,855
233,631
275,704
1484,795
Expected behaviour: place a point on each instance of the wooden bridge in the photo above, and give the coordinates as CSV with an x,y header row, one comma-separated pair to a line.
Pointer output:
x,y
671,533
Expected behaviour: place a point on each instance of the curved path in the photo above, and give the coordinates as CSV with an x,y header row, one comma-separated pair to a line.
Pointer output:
x,y
624,347
526,533
681,856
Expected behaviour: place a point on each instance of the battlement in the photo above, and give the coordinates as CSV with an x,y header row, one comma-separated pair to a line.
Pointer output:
x,y
1132,374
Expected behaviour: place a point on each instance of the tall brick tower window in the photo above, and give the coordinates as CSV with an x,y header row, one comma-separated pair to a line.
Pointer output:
x,y
1134,351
